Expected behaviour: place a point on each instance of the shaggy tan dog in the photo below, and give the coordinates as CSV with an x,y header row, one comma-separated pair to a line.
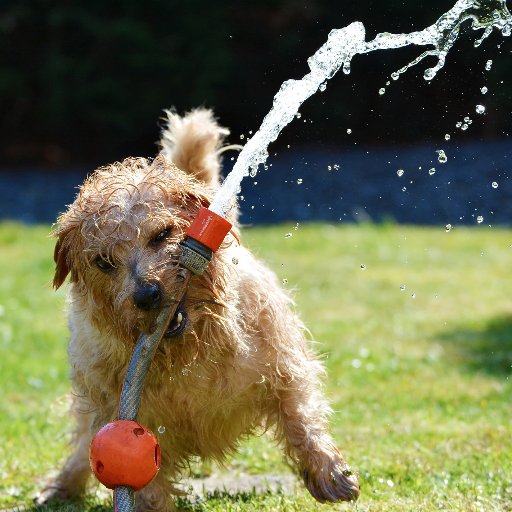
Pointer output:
x,y
234,360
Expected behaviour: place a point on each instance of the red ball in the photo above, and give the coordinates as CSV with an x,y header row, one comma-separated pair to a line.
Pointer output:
x,y
125,453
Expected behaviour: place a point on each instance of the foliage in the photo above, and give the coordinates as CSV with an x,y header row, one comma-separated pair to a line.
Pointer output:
x,y
86,81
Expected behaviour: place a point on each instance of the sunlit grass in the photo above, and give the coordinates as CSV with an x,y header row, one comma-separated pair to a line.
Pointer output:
x,y
415,327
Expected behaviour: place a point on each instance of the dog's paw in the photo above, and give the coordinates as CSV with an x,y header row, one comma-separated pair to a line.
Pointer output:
x,y
332,481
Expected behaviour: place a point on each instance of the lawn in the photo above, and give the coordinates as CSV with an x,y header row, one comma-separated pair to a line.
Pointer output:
x,y
414,323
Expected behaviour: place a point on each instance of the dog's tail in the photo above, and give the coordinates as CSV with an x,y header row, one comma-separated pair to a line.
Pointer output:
x,y
194,143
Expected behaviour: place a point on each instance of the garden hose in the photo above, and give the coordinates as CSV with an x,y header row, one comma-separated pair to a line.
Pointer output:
x,y
203,237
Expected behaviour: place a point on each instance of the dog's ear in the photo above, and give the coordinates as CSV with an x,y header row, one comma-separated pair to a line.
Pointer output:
x,y
61,255
62,269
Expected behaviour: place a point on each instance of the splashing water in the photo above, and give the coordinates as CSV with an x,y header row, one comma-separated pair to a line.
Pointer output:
x,y
341,46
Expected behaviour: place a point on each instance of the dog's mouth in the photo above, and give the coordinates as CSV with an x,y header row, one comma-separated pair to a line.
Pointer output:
x,y
179,321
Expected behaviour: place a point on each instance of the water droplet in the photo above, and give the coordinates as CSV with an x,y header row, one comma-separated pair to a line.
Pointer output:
x,y
161,429
299,181
404,189
336,167
441,156
185,371
488,65
494,184
447,136
298,115
484,90
288,235
285,281
429,74
235,261
356,363
464,127
458,124
480,219
400,172
323,87
413,295
296,226
363,266
395,75
242,136
329,168
253,171
402,287
432,171
390,483
467,119
480,109
382,90
349,131
448,227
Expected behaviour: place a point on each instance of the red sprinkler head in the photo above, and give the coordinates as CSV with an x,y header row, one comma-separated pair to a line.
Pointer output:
x,y
125,453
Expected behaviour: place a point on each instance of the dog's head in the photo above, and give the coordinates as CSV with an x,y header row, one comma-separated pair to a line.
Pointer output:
x,y
119,242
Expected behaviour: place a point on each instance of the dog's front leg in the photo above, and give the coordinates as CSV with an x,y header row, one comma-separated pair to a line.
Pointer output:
x,y
71,482
303,421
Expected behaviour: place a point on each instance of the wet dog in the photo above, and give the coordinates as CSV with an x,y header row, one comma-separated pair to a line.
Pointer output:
x,y
234,360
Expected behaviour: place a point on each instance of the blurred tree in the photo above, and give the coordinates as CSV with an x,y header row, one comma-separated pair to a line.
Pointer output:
x,y
87,80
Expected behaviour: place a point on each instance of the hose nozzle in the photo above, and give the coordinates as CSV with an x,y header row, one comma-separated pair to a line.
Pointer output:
x,y
203,238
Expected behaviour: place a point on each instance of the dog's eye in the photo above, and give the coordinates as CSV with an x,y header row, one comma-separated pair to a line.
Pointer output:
x,y
160,237
104,265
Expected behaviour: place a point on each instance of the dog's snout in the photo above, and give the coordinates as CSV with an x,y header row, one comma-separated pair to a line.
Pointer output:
x,y
147,296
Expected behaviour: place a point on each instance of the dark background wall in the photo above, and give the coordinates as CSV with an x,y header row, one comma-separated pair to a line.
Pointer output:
x,y
83,83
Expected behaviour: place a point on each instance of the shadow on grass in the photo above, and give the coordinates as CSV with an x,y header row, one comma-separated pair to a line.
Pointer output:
x,y
488,349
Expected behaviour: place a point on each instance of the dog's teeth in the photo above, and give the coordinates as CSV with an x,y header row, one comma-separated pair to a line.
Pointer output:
x,y
179,318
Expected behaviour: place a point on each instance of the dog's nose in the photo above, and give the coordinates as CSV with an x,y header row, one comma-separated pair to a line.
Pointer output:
x,y
147,296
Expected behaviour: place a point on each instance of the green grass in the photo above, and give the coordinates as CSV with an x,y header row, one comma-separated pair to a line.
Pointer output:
x,y
420,378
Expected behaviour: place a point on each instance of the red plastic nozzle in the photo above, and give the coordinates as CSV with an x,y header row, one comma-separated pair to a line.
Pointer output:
x,y
209,229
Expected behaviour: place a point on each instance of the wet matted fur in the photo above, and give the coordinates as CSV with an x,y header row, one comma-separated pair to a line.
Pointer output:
x,y
236,360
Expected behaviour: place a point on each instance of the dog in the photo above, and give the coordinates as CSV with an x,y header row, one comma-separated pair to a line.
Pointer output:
x,y
235,359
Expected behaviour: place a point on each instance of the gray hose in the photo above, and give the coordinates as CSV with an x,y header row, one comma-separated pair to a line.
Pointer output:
x,y
131,393
124,499
194,259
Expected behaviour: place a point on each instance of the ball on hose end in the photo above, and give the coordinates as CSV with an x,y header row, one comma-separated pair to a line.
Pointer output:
x,y
125,453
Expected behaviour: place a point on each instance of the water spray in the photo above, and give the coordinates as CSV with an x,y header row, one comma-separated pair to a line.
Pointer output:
x,y
125,455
